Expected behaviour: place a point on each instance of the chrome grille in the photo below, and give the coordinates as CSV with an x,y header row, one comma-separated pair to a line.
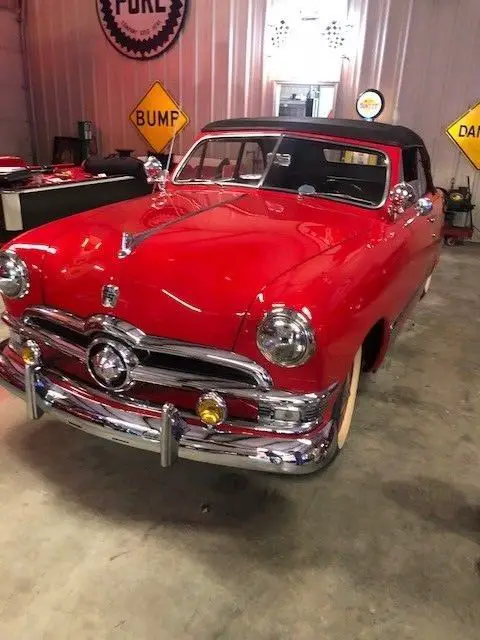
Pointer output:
x,y
173,364
161,361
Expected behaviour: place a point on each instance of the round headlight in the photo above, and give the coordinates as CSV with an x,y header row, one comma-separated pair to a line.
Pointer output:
x,y
285,338
14,282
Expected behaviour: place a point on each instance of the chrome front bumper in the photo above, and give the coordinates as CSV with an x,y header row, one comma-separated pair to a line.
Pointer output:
x,y
162,429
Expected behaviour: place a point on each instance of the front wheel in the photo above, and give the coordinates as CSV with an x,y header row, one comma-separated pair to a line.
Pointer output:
x,y
344,406
342,414
348,399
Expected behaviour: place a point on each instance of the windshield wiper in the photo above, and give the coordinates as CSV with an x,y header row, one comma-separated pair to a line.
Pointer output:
x,y
219,182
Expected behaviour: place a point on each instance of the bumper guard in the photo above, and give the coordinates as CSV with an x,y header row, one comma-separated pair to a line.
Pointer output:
x,y
162,429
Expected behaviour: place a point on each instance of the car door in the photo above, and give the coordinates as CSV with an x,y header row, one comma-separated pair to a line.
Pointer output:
x,y
424,216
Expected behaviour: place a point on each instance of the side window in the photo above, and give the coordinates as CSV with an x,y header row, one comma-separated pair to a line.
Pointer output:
x,y
422,176
414,172
410,168
252,162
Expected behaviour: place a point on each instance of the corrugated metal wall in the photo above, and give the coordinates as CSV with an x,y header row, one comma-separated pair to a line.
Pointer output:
x,y
420,53
423,55
14,129
215,70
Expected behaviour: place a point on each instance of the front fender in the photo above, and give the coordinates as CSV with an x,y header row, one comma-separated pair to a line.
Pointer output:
x,y
343,292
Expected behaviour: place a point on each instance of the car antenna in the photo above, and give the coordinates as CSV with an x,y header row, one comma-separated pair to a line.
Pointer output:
x,y
169,161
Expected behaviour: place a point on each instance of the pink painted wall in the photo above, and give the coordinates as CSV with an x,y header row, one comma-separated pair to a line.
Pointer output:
x,y
14,128
423,55
420,53
215,70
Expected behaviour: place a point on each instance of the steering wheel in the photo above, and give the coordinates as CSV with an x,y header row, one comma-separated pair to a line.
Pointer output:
x,y
345,185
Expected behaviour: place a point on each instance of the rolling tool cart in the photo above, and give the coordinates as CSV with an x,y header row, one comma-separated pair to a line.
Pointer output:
x,y
458,214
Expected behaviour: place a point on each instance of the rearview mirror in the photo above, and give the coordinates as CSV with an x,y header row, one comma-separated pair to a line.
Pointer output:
x,y
402,196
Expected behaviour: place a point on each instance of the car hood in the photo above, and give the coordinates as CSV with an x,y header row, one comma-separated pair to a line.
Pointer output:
x,y
201,257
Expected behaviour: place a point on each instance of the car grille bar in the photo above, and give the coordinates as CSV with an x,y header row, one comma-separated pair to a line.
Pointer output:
x,y
176,363
173,364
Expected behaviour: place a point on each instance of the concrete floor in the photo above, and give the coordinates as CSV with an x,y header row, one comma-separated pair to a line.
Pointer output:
x,y
96,541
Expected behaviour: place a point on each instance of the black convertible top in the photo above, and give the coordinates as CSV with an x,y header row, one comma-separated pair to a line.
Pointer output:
x,y
389,134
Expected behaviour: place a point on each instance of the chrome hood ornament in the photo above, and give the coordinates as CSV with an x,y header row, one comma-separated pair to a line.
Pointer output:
x,y
155,173
110,294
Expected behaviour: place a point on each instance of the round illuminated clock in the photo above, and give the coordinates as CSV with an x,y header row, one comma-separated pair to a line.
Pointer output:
x,y
370,104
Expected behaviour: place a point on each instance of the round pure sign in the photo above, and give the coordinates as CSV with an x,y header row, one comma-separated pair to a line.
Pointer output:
x,y
370,104
142,29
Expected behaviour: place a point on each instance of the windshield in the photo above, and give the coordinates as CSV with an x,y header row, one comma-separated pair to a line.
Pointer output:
x,y
300,165
317,167
240,160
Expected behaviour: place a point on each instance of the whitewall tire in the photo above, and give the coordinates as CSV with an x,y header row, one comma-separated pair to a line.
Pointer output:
x,y
428,283
348,398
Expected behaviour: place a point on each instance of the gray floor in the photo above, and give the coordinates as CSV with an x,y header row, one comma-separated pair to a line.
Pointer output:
x,y
96,541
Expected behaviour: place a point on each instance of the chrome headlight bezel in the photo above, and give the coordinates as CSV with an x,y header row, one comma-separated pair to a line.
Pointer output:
x,y
17,284
301,329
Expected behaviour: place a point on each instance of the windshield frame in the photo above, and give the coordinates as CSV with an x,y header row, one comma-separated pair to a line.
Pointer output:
x,y
230,136
281,137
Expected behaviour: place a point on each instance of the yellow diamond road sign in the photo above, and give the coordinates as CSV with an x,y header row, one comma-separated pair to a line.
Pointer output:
x,y
465,132
158,117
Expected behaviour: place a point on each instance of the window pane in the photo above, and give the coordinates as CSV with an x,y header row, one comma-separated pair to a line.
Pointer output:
x,y
336,171
253,162
422,178
410,165
240,160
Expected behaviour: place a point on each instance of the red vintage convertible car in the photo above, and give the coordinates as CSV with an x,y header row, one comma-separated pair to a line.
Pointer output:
x,y
227,317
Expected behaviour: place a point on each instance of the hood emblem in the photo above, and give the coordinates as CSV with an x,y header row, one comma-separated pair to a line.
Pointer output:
x,y
110,294
110,364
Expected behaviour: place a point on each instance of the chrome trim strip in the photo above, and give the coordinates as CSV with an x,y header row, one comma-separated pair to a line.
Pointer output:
x,y
170,436
49,339
54,315
131,241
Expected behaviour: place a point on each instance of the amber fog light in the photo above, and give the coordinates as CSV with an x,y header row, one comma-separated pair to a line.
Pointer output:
x,y
211,409
31,353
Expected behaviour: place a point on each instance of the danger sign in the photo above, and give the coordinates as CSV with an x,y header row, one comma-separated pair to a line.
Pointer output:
x,y
465,132
158,117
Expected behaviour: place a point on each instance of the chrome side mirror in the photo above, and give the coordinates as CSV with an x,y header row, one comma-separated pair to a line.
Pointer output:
x,y
402,196
424,206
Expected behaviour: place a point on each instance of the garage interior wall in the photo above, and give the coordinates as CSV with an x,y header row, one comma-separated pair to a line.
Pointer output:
x,y
214,70
14,126
419,53
423,55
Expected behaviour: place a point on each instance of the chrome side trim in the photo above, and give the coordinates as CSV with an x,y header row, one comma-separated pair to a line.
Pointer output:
x,y
170,436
